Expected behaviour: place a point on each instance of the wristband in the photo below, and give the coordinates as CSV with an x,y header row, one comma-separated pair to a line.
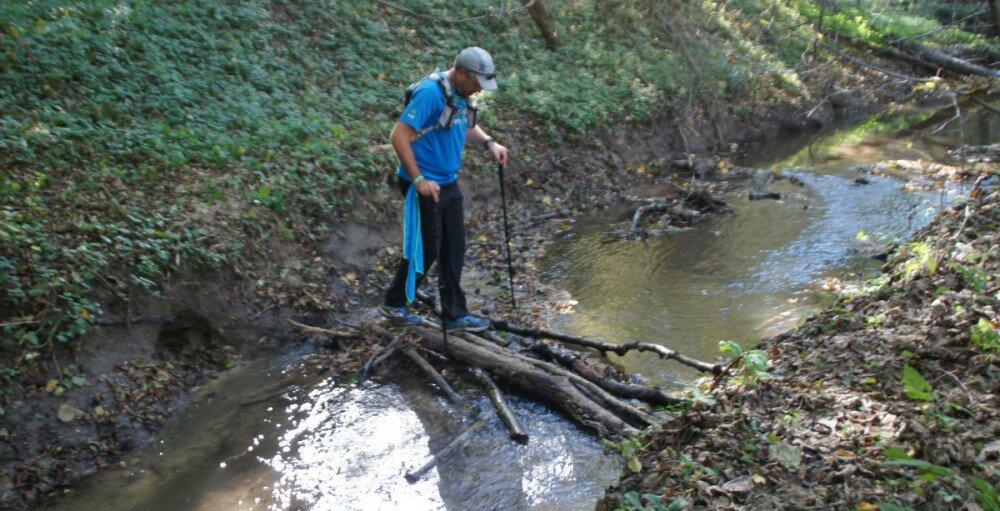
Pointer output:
x,y
486,143
417,180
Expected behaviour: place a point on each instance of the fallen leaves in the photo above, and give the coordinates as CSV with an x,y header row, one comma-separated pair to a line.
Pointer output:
x,y
68,413
846,390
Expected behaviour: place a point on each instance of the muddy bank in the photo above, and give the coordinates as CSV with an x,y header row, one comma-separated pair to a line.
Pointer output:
x,y
889,398
140,367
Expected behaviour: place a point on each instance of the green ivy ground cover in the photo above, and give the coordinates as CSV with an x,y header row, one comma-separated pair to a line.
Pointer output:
x,y
123,122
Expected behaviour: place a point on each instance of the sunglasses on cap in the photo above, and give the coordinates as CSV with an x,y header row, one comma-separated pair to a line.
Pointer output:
x,y
484,75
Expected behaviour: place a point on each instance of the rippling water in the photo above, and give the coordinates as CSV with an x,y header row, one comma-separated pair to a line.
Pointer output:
x,y
279,436
754,272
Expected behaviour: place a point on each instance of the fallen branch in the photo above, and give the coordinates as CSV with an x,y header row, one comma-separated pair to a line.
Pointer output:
x,y
415,475
584,401
517,434
943,60
380,356
321,331
620,389
641,210
112,320
983,103
428,369
492,336
605,347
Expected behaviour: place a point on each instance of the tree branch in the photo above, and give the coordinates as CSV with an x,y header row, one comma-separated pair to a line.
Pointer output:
x,y
461,20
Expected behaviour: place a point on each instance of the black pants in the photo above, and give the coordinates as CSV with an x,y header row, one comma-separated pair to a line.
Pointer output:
x,y
451,216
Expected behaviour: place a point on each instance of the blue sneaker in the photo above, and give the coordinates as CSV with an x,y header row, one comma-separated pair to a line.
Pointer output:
x,y
467,324
399,315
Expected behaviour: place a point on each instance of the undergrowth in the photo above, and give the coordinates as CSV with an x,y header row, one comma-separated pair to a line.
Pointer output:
x,y
140,137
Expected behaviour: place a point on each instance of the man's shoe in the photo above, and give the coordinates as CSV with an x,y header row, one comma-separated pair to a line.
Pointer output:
x,y
399,315
467,324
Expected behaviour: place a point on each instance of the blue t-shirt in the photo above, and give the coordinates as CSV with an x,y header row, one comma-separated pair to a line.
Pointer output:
x,y
439,151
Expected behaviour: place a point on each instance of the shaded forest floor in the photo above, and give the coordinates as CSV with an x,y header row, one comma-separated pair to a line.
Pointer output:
x,y
888,400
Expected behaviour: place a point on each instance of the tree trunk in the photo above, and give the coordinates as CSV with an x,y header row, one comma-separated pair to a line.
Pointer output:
x,y
995,11
944,61
540,12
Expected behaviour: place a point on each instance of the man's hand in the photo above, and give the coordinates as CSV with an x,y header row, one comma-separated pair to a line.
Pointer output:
x,y
499,153
428,188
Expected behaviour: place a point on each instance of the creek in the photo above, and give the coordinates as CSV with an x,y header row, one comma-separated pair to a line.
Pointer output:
x,y
282,433
757,271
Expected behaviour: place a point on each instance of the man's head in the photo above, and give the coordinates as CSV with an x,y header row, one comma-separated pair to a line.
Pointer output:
x,y
474,71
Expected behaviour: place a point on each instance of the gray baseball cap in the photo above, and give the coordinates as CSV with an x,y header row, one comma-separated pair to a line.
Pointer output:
x,y
479,62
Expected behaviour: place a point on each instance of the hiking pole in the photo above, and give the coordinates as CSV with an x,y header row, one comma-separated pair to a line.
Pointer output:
x,y
438,226
506,235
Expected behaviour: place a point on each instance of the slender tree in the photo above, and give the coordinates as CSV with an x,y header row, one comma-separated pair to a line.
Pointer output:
x,y
546,22
995,10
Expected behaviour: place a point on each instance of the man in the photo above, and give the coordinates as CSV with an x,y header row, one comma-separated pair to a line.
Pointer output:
x,y
428,139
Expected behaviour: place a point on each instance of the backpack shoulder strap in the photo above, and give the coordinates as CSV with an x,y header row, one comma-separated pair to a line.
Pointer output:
x,y
446,90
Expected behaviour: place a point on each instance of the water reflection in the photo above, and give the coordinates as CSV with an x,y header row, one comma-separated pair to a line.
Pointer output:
x,y
344,450
278,436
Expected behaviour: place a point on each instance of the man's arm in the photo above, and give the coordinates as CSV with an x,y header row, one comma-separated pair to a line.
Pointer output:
x,y
402,138
477,137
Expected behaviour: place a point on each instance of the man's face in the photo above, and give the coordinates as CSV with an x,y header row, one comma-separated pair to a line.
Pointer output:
x,y
467,84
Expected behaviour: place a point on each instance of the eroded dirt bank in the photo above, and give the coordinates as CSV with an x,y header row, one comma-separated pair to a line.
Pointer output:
x,y
888,399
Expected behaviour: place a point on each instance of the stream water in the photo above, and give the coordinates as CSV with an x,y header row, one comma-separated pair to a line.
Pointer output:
x,y
281,434
757,271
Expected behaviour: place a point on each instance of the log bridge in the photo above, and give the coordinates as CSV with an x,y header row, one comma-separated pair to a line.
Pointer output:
x,y
537,362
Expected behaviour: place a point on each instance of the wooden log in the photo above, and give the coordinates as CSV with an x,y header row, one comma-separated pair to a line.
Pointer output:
x,y
517,433
649,395
553,388
943,60
917,55
605,347
415,475
427,368
585,402
496,338
589,389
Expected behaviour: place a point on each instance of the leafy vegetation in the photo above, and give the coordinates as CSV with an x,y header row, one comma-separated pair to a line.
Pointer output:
x,y
141,137
916,386
138,138
751,364
651,502
927,473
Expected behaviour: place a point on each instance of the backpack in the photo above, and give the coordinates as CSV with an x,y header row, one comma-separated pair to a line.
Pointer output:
x,y
450,111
